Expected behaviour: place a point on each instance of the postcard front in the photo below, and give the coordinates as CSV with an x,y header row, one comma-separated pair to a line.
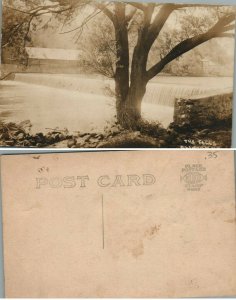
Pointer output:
x,y
119,224
92,74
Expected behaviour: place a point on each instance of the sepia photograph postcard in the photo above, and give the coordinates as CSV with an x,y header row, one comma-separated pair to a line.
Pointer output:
x,y
104,74
119,224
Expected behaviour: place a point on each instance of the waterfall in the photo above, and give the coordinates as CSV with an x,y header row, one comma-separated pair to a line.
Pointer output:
x,y
69,82
159,93
166,94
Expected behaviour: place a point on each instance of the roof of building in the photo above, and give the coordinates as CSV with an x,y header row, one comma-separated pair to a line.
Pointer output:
x,y
49,53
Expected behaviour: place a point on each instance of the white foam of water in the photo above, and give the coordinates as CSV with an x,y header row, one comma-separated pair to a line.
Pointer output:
x,y
166,94
159,93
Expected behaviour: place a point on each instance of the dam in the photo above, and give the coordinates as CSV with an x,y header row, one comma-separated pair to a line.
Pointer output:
x,y
80,103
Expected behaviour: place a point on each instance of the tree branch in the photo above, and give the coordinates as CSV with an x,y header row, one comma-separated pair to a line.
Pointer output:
x,y
105,10
89,18
228,35
41,8
158,23
216,31
177,51
140,6
130,15
16,9
229,27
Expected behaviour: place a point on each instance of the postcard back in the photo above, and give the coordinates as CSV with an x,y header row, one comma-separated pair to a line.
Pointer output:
x,y
119,224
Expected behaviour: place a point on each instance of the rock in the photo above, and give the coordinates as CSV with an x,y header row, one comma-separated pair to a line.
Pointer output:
x,y
93,140
93,134
120,128
9,143
80,141
26,126
32,142
100,144
99,136
136,133
4,136
61,136
86,145
50,139
82,134
40,138
20,136
57,137
94,145
61,144
86,137
204,131
162,143
108,134
26,143
179,141
71,143
114,130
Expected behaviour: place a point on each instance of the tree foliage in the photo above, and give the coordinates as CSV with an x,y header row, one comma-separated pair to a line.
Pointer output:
x,y
20,18
99,48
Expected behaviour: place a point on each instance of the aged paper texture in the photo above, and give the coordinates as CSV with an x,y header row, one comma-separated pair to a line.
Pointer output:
x,y
119,224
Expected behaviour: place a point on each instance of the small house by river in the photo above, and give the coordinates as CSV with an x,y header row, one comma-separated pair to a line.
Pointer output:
x,y
53,60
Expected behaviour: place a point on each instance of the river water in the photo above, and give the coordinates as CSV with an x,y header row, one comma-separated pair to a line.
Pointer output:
x,y
81,104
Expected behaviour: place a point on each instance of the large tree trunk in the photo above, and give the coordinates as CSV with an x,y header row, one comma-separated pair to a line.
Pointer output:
x,y
129,106
122,60
130,92
129,109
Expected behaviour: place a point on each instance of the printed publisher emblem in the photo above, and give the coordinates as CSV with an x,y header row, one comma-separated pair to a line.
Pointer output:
x,y
193,177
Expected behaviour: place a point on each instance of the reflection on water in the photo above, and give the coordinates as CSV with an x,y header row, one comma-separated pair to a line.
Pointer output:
x,y
79,104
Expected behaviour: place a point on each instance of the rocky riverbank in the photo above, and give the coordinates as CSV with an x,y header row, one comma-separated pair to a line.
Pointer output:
x,y
147,135
19,135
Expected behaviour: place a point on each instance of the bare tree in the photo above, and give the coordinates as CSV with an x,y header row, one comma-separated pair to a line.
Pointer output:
x,y
131,76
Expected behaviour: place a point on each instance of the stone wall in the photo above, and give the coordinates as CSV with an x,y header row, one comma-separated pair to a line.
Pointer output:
x,y
202,111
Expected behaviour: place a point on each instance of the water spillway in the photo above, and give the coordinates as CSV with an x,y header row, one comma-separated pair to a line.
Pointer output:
x,y
61,81
78,103
164,92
